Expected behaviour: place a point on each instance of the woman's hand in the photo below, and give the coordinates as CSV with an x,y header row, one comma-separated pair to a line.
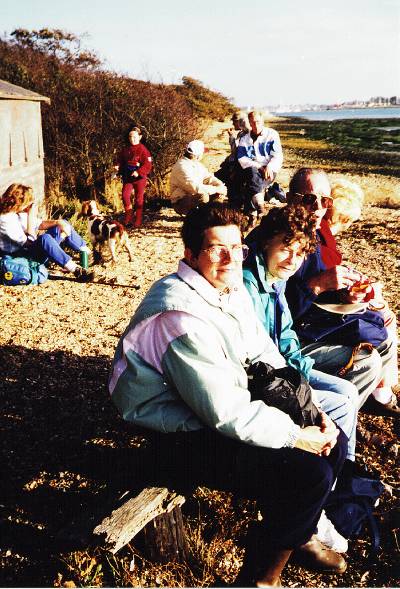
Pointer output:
x,y
318,440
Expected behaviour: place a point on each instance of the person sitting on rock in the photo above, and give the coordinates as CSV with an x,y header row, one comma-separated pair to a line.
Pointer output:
x,y
191,183
260,155
19,227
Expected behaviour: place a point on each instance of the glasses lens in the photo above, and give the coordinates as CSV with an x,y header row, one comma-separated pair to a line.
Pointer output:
x,y
309,199
245,252
219,253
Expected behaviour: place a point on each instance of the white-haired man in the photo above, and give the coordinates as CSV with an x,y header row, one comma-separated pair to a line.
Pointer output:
x,y
191,183
260,155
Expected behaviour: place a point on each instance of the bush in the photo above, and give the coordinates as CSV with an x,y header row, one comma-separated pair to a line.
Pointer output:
x,y
90,111
206,103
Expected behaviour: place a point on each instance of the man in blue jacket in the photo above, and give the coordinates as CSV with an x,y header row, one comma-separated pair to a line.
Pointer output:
x,y
259,153
313,282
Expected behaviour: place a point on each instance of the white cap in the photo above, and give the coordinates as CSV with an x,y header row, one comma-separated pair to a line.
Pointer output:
x,y
195,147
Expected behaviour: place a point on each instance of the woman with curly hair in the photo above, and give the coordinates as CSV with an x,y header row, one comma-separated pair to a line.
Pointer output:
x,y
278,247
19,227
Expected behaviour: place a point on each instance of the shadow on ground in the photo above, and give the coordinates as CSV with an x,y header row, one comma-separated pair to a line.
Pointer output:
x,y
64,450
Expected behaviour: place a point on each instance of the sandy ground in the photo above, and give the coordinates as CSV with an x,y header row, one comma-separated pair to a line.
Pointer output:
x,y
58,425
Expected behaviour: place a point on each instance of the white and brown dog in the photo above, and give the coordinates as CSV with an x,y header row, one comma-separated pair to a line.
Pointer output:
x,y
103,230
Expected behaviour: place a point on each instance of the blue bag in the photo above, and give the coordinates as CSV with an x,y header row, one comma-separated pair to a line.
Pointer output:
x,y
18,271
351,505
319,325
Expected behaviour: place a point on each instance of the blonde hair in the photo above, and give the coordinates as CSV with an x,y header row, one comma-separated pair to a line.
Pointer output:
x,y
348,198
16,198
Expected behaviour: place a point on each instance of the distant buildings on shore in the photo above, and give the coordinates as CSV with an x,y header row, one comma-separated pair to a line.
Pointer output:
x,y
374,102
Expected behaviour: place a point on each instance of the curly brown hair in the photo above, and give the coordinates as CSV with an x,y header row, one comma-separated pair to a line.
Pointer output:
x,y
16,198
293,221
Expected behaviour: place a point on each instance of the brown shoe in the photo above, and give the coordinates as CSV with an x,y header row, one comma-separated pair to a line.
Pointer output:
x,y
316,556
389,409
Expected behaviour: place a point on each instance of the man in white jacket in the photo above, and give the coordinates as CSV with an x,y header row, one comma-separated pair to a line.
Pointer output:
x,y
191,183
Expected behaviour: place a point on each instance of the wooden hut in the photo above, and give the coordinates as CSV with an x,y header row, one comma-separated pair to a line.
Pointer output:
x,y
21,139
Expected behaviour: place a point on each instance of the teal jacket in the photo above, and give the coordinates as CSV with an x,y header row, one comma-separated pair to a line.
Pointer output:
x,y
273,311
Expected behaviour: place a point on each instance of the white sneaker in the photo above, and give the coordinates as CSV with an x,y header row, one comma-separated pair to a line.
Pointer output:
x,y
328,535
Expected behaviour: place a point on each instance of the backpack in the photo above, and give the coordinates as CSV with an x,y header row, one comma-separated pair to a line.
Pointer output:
x,y
18,271
351,505
284,388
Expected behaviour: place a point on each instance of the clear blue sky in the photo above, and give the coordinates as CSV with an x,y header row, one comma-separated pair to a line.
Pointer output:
x,y
258,52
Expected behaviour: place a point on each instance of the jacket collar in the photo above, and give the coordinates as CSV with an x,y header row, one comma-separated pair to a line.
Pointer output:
x,y
261,269
206,290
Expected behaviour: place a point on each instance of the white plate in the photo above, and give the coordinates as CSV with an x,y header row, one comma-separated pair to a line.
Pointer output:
x,y
344,309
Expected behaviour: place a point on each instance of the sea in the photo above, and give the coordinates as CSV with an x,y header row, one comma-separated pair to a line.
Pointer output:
x,y
345,113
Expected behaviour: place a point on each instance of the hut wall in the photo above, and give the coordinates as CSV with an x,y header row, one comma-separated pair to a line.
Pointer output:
x,y
21,146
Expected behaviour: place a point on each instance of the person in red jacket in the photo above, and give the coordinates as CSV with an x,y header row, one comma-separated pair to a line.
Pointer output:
x,y
133,164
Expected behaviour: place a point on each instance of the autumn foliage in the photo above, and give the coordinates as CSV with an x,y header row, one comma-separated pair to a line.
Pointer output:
x,y
92,108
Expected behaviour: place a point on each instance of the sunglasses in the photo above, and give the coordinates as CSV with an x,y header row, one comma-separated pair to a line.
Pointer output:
x,y
310,200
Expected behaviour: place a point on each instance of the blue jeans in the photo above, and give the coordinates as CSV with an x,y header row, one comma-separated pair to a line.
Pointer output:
x,y
339,400
47,246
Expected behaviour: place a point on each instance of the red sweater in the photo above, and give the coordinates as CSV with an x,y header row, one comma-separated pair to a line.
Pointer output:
x,y
135,155
330,254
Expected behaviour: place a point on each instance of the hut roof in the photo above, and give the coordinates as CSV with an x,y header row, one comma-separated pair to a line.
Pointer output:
x,y
13,92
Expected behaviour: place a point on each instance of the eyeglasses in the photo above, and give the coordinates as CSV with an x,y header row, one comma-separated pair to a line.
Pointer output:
x,y
310,200
218,253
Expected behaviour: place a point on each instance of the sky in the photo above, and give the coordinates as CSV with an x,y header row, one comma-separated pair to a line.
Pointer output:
x,y
259,52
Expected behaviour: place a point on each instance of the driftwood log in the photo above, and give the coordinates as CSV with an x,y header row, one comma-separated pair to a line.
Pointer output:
x,y
156,511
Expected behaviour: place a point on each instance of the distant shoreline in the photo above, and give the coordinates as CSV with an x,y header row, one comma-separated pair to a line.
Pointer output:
x,y
335,114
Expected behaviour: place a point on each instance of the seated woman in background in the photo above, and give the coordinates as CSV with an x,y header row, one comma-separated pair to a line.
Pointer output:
x,y
230,171
19,228
191,182
278,247
347,200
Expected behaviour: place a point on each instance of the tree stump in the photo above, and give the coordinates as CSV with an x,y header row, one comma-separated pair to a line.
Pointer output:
x,y
167,533
165,538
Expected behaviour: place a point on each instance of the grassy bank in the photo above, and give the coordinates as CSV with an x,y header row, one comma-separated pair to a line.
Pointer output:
x,y
351,147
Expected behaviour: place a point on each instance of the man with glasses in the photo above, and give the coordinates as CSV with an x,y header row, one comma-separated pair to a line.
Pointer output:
x,y
180,369
313,281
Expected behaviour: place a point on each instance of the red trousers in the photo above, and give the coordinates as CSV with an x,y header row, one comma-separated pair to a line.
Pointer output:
x,y
138,187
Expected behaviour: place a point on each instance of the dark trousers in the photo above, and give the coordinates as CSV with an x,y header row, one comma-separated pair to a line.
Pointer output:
x,y
290,485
